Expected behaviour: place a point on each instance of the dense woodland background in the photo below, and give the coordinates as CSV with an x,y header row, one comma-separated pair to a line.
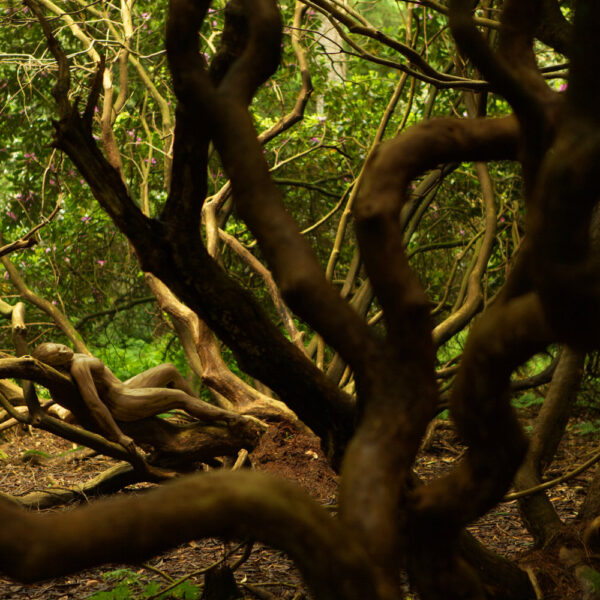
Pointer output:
x,y
141,222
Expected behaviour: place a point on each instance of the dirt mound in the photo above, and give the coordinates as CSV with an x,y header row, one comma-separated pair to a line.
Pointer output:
x,y
298,457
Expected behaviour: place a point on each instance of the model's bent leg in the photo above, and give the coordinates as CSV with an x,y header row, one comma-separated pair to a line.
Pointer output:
x,y
161,376
139,403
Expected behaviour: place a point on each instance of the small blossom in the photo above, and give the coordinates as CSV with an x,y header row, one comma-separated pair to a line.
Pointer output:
x,y
85,218
461,232
67,259
562,87
321,118
502,219
314,140
11,215
101,262
145,16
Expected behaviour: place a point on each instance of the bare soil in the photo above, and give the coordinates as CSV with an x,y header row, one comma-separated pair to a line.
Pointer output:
x,y
268,573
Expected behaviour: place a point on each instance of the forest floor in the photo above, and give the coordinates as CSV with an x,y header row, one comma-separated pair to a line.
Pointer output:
x,y
268,574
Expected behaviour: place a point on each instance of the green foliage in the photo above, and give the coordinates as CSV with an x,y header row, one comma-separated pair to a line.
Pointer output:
x,y
588,427
131,586
127,357
32,452
453,347
592,577
527,400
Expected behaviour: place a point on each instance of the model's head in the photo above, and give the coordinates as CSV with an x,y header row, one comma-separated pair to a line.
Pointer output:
x,y
55,355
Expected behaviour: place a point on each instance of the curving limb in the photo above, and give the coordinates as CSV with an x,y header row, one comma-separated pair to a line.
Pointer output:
x,y
480,407
426,146
258,202
233,505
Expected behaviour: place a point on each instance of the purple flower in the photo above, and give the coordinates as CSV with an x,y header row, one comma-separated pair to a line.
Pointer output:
x,y
461,232
502,219
85,218
314,140
145,16
321,118
562,87
11,214
101,262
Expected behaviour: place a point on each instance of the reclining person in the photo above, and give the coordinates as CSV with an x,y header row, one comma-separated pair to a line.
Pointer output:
x,y
109,399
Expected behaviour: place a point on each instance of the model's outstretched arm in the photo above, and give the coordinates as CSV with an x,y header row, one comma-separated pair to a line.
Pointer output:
x,y
82,374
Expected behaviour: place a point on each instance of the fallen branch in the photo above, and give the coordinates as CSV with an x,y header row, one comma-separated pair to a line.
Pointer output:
x,y
553,482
